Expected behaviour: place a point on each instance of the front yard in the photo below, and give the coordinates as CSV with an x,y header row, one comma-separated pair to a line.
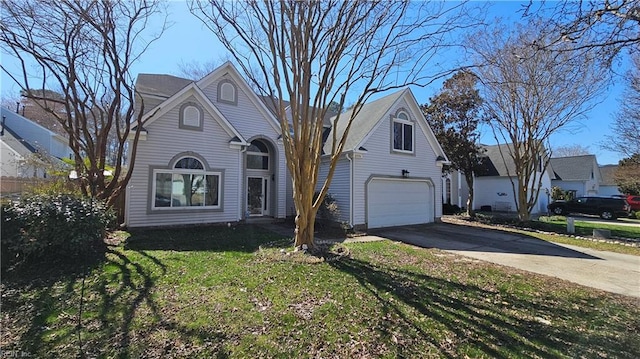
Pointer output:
x,y
211,292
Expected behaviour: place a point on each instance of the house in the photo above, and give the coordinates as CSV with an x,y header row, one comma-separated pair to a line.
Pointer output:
x,y
493,187
390,168
608,186
211,152
21,138
578,174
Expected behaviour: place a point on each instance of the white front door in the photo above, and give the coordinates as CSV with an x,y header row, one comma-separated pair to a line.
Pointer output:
x,y
257,195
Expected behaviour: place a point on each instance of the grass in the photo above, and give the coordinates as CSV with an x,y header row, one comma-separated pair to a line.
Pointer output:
x,y
211,292
559,224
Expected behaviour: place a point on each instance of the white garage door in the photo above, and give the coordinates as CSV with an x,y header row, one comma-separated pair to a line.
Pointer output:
x,y
398,202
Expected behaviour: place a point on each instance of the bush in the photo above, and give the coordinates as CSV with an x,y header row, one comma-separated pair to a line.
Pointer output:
x,y
636,215
328,213
448,208
53,226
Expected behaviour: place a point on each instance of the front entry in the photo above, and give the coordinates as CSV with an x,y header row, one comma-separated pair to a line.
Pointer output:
x,y
258,196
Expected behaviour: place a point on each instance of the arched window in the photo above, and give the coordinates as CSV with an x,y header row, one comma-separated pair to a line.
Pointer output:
x,y
257,156
191,116
402,133
187,185
227,92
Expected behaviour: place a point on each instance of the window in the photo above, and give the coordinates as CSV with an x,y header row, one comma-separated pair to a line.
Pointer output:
x,y
257,156
227,92
187,185
448,191
402,133
191,116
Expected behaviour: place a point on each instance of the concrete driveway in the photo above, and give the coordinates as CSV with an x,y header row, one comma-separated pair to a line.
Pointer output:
x,y
613,272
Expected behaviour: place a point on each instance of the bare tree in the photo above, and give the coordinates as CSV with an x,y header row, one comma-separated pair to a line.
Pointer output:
x,y
194,70
570,150
313,53
85,49
606,27
531,92
625,137
454,115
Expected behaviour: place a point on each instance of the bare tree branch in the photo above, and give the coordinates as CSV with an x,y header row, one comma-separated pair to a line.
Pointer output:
x,y
84,49
315,53
530,92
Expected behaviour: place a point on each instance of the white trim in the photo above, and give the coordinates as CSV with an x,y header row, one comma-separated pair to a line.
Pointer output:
x,y
228,69
393,135
191,90
172,171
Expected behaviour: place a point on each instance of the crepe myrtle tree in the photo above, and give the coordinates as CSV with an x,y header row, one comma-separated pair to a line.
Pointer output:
x,y
313,53
84,50
608,28
530,92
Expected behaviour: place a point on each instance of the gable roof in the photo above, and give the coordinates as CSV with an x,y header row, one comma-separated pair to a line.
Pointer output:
x,y
497,161
369,116
192,89
574,168
269,102
160,85
607,173
16,143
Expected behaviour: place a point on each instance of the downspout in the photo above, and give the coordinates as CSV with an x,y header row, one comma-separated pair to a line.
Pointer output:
x,y
241,178
351,164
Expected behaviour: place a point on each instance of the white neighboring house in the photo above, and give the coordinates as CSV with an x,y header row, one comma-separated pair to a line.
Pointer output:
x,y
578,174
608,186
390,170
21,138
494,188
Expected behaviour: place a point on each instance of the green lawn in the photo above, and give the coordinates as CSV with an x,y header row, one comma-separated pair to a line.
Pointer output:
x,y
210,292
559,224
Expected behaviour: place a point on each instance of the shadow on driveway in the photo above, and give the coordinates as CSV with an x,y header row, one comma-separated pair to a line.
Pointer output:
x,y
467,238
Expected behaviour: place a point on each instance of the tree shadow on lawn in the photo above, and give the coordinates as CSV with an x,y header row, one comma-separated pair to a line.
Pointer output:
x,y
119,312
479,322
238,238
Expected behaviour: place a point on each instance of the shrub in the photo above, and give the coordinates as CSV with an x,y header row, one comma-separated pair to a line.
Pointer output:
x,y
448,208
637,214
54,226
328,213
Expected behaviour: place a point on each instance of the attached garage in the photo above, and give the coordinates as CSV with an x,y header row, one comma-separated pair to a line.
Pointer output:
x,y
398,202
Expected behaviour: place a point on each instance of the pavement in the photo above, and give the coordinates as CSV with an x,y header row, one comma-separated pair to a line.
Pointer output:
x,y
608,271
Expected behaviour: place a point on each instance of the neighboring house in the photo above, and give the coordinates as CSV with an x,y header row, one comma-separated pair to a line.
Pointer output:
x,y
454,189
608,186
391,166
210,152
578,174
494,186
21,138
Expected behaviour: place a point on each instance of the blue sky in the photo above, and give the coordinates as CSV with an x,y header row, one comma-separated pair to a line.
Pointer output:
x,y
187,40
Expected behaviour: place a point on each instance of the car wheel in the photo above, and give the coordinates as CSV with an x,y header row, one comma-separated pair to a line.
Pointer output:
x,y
558,210
606,215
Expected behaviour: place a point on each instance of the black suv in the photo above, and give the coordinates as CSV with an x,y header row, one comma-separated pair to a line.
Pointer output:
x,y
605,207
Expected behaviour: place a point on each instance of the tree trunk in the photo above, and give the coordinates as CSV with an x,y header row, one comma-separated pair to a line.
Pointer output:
x,y
470,211
523,211
304,232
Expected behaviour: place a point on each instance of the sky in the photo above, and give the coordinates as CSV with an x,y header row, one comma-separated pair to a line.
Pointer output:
x,y
187,40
